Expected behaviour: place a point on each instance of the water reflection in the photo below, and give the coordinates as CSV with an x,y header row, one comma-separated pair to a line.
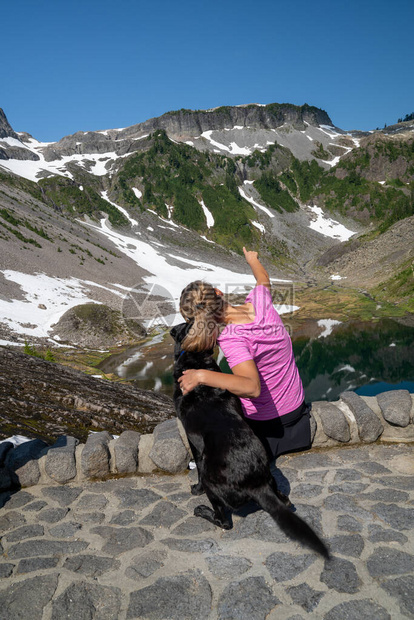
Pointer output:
x,y
356,355
366,357
149,365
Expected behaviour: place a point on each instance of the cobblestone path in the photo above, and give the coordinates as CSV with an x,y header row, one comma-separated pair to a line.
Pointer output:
x,y
131,548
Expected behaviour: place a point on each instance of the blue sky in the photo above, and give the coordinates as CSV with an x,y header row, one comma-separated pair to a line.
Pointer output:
x,y
87,65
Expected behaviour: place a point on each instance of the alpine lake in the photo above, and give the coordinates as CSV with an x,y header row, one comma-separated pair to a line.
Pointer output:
x,y
368,357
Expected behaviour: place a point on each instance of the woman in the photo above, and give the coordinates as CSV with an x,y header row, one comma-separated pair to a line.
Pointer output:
x,y
259,352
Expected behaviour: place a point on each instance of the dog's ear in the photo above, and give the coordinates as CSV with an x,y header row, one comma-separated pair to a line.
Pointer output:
x,y
178,332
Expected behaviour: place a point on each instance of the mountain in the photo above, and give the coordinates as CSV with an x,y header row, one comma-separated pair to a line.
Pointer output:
x,y
175,198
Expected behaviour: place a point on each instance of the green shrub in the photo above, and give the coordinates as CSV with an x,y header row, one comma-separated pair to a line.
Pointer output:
x,y
30,349
232,218
273,195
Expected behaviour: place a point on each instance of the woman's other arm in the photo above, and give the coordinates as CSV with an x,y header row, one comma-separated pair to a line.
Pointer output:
x,y
259,272
244,381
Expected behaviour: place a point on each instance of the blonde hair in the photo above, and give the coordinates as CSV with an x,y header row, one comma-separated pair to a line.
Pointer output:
x,y
200,304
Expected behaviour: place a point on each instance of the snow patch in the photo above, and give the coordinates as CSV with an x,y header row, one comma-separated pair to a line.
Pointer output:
x,y
137,192
208,215
328,325
245,195
259,226
330,228
329,130
121,209
284,309
332,162
16,440
233,149
346,368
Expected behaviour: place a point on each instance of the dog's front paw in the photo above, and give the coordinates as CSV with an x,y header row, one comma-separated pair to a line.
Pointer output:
x,y
197,489
202,511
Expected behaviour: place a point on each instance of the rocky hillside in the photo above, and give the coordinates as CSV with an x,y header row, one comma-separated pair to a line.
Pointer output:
x,y
45,400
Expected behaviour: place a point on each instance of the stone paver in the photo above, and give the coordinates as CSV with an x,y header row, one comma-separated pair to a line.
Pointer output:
x,y
131,548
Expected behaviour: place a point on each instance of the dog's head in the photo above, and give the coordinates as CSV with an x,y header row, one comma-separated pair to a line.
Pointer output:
x,y
179,332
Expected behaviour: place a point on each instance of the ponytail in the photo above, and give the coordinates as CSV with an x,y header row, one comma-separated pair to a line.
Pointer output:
x,y
200,304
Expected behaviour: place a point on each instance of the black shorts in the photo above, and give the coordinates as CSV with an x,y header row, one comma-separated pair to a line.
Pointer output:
x,y
288,433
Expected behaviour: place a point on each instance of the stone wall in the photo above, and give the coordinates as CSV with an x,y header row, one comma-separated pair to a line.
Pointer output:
x,y
388,417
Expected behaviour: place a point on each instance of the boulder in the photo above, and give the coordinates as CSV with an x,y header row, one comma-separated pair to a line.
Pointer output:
x,y
145,464
60,460
23,462
334,423
95,455
369,425
126,452
168,451
313,426
396,407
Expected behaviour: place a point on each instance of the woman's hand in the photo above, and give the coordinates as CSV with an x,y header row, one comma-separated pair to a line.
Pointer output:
x,y
259,272
189,380
250,255
243,382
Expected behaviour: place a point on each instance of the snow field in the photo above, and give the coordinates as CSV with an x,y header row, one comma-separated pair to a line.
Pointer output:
x,y
173,278
57,295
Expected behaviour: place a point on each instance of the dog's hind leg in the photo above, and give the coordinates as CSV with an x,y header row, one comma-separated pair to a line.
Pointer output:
x,y
216,515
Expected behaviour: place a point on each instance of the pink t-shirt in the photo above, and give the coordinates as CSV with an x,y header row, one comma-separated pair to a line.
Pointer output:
x,y
267,343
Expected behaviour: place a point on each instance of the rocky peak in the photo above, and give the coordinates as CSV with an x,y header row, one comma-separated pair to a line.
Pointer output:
x,y
185,124
5,129
194,122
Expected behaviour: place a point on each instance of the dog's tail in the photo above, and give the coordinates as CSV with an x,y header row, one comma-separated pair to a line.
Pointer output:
x,y
292,525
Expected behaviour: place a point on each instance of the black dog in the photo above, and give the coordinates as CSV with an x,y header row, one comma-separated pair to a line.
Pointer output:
x,y
232,463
